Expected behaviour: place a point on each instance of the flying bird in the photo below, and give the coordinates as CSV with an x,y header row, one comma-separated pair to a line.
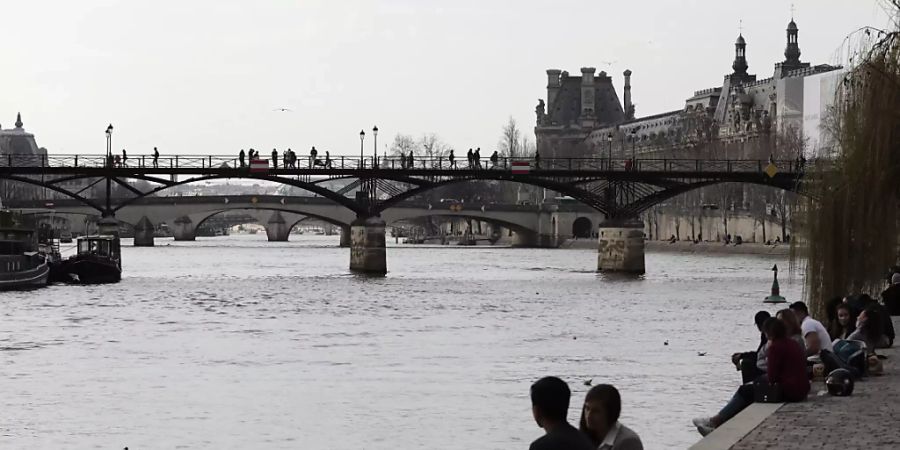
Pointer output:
x,y
283,109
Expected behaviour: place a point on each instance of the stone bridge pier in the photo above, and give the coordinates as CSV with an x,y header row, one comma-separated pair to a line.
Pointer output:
x,y
621,246
143,233
183,229
277,229
367,240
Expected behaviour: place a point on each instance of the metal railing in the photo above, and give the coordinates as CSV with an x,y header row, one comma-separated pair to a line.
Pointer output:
x,y
397,163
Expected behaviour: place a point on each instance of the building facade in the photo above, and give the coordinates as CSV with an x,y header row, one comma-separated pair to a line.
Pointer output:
x,y
583,117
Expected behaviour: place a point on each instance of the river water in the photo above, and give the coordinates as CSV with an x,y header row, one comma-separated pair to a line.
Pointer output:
x,y
235,342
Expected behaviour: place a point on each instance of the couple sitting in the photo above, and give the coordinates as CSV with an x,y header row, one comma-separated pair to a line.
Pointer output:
x,y
599,428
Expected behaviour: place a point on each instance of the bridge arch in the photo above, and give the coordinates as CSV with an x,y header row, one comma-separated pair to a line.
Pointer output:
x,y
582,228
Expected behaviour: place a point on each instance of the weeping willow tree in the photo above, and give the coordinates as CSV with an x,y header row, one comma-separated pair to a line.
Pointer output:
x,y
848,224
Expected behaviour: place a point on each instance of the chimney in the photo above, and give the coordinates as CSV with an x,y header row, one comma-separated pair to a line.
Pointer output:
x,y
626,96
553,85
587,92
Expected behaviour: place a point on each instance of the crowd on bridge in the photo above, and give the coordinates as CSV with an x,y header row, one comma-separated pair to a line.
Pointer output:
x,y
794,349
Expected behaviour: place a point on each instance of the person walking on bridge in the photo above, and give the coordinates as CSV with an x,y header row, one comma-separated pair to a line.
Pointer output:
x,y
155,158
274,158
312,157
241,158
451,159
537,160
470,156
476,157
402,160
409,161
124,158
327,159
495,157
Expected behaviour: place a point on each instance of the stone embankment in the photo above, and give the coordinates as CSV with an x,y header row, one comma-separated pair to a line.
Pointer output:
x,y
690,247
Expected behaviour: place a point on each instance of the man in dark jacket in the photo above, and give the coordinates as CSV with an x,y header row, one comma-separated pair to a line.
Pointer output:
x,y
891,296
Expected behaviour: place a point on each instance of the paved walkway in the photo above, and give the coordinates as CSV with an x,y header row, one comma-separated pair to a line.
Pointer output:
x,y
865,420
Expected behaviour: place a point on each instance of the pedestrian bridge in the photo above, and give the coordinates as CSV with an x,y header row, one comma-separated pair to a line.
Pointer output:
x,y
533,226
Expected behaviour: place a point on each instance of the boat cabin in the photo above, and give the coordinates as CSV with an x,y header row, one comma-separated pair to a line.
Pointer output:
x,y
102,245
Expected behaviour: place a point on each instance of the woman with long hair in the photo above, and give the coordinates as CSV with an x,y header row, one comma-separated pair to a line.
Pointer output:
x,y
844,323
600,420
792,327
869,329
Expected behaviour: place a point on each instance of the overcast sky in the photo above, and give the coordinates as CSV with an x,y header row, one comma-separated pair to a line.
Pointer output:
x,y
203,76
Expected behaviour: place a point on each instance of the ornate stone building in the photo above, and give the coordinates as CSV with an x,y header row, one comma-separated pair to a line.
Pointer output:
x,y
582,116
19,147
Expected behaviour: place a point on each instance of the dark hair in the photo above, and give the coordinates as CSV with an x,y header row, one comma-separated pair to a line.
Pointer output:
x,y
831,307
801,307
609,397
551,396
791,324
760,318
775,329
836,329
873,327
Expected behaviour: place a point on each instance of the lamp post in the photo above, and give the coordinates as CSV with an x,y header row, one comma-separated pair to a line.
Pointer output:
x,y
609,141
633,143
109,131
375,139
362,158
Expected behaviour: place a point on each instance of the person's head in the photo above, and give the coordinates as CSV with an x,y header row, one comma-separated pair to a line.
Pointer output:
x,y
800,310
791,324
760,318
549,400
602,406
831,307
775,329
845,316
870,322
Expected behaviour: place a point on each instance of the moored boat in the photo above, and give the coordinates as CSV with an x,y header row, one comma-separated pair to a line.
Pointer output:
x,y
98,261
21,265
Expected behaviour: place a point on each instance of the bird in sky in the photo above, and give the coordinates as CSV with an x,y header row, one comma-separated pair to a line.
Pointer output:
x,y
283,109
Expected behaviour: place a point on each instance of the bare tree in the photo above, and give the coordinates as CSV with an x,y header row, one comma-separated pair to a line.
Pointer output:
x,y
526,147
405,144
511,140
432,147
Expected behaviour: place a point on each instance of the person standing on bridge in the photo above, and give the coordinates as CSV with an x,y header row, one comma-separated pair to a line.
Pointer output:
x,y
274,158
537,160
312,157
327,159
155,158
241,157
124,158
451,159
409,161
471,158
402,160
477,158
495,157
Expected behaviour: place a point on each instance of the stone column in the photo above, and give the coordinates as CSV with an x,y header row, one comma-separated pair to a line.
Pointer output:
x,y
184,229
524,239
345,236
367,253
277,228
143,233
108,225
621,246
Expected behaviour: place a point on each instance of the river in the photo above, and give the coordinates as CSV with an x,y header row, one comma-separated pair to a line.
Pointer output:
x,y
235,342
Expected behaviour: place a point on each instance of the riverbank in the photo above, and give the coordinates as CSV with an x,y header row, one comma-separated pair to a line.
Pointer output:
x,y
690,247
863,420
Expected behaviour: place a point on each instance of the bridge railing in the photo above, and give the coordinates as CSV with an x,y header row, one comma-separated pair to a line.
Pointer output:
x,y
397,163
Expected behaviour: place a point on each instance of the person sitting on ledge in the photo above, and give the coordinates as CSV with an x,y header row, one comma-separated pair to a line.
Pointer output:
x,y
794,331
549,405
844,323
785,367
600,420
753,364
869,329
814,333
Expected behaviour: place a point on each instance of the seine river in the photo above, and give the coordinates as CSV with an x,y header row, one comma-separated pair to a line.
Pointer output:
x,y
235,342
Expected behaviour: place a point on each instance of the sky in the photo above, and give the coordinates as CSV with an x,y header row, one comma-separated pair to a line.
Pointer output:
x,y
205,76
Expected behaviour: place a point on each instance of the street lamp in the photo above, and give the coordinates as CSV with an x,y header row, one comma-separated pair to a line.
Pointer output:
x,y
633,143
609,141
109,131
362,158
375,137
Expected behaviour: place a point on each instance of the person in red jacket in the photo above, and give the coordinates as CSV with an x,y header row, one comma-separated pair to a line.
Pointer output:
x,y
785,366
